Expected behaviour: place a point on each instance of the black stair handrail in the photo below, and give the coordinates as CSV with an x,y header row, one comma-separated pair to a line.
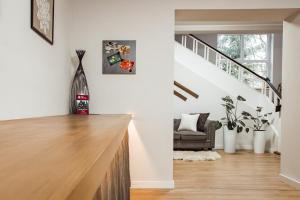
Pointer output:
x,y
267,80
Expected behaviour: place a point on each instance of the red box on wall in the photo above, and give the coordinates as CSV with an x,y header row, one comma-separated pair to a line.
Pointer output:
x,y
82,104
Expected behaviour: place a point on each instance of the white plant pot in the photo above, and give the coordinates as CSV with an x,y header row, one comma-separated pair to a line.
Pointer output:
x,y
259,142
229,140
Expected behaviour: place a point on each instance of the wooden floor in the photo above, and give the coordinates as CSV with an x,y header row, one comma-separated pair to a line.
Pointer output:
x,y
242,176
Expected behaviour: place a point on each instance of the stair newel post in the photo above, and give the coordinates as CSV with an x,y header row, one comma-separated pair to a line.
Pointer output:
x,y
196,46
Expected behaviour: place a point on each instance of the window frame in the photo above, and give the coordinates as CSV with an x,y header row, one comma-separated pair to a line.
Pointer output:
x,y
269,52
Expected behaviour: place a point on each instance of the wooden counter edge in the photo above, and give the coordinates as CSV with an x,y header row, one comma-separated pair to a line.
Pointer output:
x,y
89,185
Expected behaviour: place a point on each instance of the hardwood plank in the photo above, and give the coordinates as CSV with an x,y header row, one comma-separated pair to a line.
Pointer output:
x,y
50,158
180,95
241,176
187,90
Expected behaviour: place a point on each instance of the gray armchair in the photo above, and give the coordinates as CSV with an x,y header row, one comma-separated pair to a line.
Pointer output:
x,y
189,140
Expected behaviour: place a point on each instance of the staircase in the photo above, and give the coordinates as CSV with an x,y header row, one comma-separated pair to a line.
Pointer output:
x,y
210,63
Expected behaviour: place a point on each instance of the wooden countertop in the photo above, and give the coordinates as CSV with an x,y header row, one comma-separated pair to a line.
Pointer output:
x,y
57,157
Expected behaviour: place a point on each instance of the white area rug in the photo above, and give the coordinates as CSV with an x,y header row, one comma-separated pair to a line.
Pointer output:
x,y
196,155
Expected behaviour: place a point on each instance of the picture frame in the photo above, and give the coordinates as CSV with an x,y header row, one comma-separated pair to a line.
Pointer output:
x,y
119,57
42,19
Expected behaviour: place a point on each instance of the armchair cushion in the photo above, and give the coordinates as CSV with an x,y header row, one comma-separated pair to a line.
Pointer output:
x,y
194,136
176,135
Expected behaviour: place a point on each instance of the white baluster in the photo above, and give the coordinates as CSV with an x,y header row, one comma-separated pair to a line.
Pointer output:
x,y
184,40
227,65
263,87
270,94
239,73
194,44
207,54
266,88
229,68
218,60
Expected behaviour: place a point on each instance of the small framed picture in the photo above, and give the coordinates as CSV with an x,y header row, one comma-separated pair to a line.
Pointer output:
x,y
42,18
119,57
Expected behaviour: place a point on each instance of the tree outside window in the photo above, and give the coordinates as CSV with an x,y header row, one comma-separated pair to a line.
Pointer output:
x,y
252,50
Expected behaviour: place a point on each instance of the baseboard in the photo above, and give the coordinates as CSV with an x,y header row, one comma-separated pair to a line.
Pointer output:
x,y
219,147
238,147
244,147
152,184
290,181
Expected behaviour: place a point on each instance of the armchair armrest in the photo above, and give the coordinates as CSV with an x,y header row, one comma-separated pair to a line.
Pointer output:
x,y
210,129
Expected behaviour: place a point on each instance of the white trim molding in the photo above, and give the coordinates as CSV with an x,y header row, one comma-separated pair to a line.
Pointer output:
x,y
227,28
153,184
289,180
238,147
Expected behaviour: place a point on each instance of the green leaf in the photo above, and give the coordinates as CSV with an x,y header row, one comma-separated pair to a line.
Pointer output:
x,y
239,129
246,114
242,123
219,125
259,109
227,99
240,98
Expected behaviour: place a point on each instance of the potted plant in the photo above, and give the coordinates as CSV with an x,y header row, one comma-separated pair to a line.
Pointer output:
x,y
232,123
259,124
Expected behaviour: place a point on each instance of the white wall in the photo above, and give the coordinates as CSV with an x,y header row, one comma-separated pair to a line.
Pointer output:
x,y
148,94
34,76
290,162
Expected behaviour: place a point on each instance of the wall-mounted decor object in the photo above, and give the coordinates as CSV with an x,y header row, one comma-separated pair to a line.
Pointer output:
x,y
80,90
42,18
119,57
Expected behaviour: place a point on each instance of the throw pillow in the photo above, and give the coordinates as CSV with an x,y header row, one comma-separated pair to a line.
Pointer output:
x,y
176,124
201,121
188,122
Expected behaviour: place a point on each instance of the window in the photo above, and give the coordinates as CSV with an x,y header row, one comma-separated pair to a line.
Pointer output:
x,y
252,50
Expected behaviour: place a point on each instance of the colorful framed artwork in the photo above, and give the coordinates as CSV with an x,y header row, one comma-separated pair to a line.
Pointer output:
x,y
42,18
119,57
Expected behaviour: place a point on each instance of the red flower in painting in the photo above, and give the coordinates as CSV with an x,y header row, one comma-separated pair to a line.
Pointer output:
x,y
127,65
